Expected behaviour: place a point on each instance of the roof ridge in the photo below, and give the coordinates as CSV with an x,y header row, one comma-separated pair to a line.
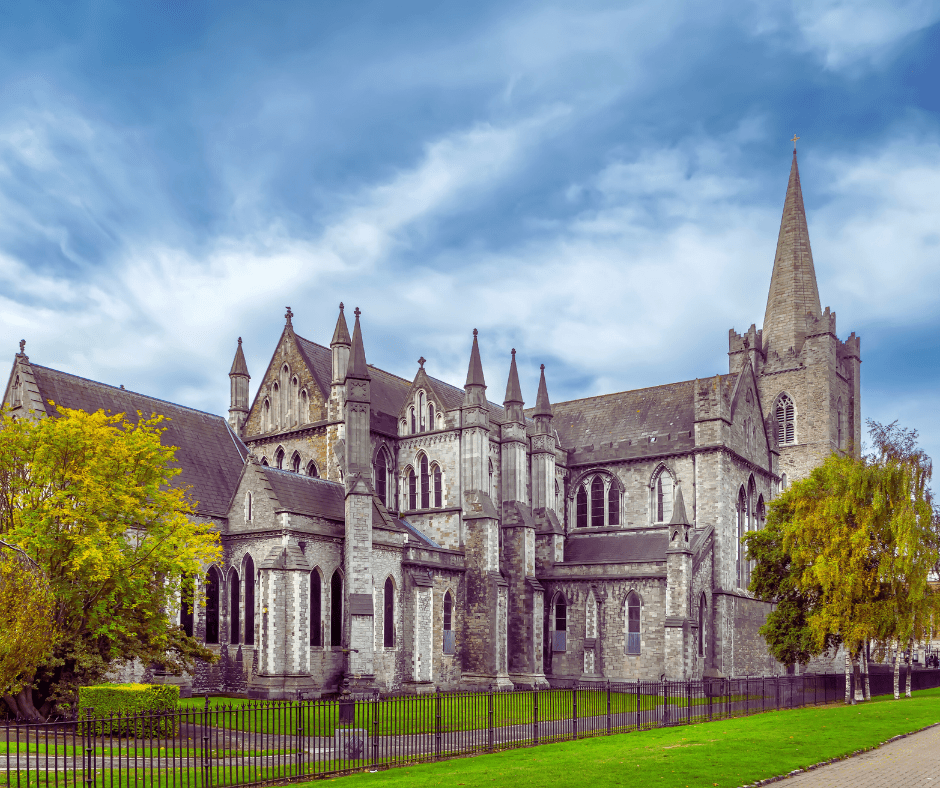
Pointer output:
x,y
372,366
294,475
630,391
130,391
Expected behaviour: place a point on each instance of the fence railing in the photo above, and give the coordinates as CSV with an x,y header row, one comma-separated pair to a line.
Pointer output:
x,y
226,742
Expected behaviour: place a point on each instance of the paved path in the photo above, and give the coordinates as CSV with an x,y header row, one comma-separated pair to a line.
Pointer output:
x,y
912,762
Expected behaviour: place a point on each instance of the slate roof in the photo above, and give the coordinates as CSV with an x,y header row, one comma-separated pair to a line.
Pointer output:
x,y
210,456
413,531
307,495
617,548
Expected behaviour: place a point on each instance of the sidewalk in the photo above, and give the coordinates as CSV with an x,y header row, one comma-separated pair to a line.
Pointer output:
x,y
907,763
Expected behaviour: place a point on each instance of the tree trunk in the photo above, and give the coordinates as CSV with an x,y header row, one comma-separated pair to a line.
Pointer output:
x,y
910,668
867,671
22,706
859,693
849,699
897,670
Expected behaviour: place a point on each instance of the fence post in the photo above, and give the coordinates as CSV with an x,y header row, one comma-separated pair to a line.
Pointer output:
x,y
609,720
89,748
375,730
206,767
574,711
535,715
636,692
437,724
300,736
688,694
492,730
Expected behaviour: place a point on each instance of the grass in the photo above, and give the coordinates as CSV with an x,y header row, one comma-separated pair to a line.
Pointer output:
x,y
418,714
725,754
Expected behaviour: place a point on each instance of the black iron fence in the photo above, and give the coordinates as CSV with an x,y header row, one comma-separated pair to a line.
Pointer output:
x,y
227,742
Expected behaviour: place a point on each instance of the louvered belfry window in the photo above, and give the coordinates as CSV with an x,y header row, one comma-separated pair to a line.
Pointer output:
x,y
786,424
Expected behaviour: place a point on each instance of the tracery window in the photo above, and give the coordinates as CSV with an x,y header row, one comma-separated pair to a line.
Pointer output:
x,y
234,606
597,501
633,623
212,605
448,629
663,494
388,619
785,415
316,608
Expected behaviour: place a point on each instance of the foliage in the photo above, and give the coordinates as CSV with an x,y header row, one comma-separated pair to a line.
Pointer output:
x,y
27,628
130,709
847,551
91,499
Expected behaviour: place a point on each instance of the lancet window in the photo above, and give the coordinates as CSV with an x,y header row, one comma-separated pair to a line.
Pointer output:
x,y
597,501
662,494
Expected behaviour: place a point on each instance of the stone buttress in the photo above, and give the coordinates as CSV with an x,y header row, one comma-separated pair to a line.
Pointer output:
x,y
679,635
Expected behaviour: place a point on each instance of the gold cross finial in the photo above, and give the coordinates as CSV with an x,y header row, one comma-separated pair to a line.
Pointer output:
x,y
795,138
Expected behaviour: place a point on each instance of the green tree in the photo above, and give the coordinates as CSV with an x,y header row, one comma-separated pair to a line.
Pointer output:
x,y
27,625
90,499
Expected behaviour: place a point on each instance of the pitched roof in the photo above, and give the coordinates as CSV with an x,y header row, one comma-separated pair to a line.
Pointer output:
x,y
210,456
628,416
793,290
307,495
617,548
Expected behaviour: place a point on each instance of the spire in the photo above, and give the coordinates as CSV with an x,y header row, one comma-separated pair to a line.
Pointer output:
x,y
341,334
513,390
239,367
357,356
793,300
542,406
475,372
679,517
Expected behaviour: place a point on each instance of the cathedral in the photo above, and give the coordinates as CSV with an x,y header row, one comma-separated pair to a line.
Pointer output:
x,y
404,535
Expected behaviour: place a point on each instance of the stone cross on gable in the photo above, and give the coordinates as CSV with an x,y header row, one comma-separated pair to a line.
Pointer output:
x,y
22,346
356,312
289,314
421,361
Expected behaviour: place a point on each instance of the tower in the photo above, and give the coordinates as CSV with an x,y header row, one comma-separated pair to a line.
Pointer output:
x,y
808,379
238,398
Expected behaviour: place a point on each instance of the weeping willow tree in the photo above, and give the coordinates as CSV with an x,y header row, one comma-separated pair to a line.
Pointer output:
x,y
27,623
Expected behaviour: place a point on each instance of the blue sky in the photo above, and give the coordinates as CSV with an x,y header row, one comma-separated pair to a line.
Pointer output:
x,y
596,184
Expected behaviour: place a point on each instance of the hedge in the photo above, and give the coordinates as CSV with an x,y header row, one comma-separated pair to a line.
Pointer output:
x,y
129,709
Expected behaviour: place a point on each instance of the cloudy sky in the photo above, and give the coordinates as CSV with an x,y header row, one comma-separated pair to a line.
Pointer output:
x,y
596,184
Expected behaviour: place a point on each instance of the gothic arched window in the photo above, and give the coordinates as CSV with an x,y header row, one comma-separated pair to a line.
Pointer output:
x,y
234,606
212,605
839,423
187,599
492,489
279,459
581,508
613,505
336,609
312,469
742,527
633,623
663,494
438,487
413,422
425,484
412,489
249,617
449,644
316,608
422,425
304,415
381,476
295,463
430,415
276,409
701,626
266,416
388,619
597,502
785,416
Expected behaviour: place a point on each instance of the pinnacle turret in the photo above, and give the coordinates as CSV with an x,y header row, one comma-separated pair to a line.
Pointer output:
x,y
793,300
238,391
341,333
357,355
239,367
513,401
543,407
475,371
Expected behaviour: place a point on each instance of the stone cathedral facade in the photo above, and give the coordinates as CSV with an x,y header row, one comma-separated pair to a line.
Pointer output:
x,y
402,535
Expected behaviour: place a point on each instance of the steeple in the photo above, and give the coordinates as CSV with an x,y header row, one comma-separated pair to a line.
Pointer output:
x,y
238,400
513,401
793,300
475,387
543,408
357,355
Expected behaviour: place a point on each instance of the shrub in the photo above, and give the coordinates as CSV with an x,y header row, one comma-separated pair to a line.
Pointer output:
x,y
129,709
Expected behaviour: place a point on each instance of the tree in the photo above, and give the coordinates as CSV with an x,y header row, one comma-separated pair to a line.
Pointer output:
x,y
27,625
90,499
847,551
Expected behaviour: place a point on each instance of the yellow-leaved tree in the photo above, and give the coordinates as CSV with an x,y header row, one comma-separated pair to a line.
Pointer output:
x,y
89,497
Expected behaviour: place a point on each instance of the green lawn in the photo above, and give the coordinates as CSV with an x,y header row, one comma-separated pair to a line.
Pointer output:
x,y
726,754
